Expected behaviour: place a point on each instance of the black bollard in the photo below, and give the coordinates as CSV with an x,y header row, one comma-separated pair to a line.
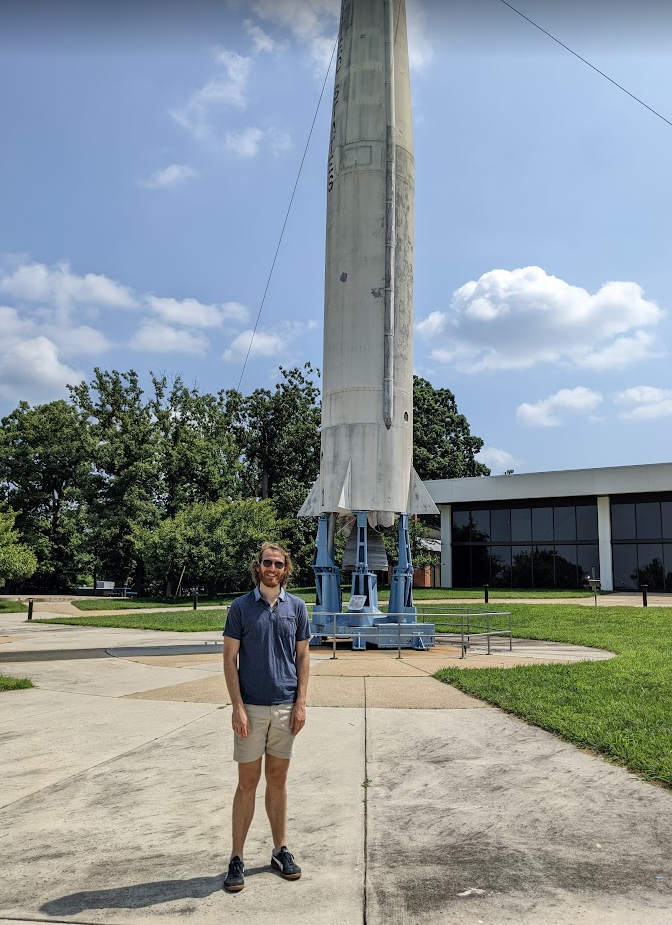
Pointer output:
x,y
195,598
485,589
645,602
30,608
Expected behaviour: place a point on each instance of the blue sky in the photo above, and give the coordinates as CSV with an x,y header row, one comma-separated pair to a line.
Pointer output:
x,y
150,151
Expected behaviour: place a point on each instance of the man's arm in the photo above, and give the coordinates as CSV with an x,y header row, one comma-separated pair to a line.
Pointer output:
x,y
298,719
239,719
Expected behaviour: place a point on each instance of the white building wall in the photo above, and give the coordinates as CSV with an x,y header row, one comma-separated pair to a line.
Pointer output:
x,y
604,539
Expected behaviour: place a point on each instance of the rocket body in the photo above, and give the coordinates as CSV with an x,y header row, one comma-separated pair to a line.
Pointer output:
x,y
367,401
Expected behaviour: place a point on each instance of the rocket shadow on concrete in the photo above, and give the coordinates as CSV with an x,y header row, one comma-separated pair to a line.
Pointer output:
x,y
139,895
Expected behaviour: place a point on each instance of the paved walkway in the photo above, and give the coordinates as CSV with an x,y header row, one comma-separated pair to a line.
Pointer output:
x,y
117,780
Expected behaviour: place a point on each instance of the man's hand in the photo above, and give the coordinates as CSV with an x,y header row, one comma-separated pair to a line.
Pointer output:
x,y
240,722
298,718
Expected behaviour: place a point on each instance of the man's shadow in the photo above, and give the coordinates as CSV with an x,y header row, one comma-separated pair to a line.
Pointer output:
x,y
139,895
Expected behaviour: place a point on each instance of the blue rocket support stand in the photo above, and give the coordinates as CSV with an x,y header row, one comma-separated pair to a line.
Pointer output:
x,y
327,582
364,582
401,590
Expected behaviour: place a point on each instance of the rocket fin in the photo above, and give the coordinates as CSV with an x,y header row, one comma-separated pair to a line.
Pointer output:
x,y
311,507
344,501
419,499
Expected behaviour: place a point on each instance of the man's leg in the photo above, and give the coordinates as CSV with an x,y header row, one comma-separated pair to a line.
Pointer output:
x,y
249,773
276,770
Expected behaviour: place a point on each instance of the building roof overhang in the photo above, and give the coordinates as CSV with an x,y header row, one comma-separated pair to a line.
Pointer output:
x,y
612,480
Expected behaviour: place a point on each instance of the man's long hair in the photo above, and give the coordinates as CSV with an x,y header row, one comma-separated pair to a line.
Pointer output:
x,y
256,562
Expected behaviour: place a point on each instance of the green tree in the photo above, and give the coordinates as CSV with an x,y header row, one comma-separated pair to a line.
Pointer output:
x,y
17,561
123,484
280,437
198,456
443,447
45,462
208,544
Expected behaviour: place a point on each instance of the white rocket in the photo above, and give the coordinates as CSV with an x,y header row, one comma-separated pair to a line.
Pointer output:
x,y
367,400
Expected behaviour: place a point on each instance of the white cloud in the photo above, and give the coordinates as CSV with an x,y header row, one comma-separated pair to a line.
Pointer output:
x,y
156,337
36,282
260,39
546,412
623,352
173,175
312,22
194,314
515,319
30,370
644,403
245,144
497,459
260,344
227,89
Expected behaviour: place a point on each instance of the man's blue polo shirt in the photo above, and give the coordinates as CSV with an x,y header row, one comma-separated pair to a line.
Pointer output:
x,y
267,657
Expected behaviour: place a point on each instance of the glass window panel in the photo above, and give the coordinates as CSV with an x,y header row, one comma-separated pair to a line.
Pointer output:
x,y
588,562
500,566
542,524
460,526
622,521
500,526
480,526
521,566
667,556
625,566
586,522
650,572
461,567
480,566
565,568
666,511
564,523
521,525
647,515
543,569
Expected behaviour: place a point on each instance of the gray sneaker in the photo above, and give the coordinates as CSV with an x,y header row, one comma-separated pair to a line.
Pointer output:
x,y
284,862
235,879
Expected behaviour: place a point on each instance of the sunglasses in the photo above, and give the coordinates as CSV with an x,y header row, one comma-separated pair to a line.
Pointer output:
x,y
267,563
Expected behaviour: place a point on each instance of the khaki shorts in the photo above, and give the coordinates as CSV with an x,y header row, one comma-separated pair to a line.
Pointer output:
x,y
269,733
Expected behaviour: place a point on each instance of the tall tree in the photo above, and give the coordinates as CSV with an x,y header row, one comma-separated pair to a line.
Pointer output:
x,y
280,436
17,561
123,485
45,462
198,457
443,447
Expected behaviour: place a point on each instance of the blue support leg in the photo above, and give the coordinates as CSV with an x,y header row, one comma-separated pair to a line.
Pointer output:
x,y
327,580
401,591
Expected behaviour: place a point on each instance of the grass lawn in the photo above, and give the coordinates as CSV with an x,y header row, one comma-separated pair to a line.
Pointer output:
x,y
188,621
132,603
621,708
13,607
13,684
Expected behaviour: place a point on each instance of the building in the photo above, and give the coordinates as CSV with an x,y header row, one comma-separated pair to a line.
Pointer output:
x,y
556,529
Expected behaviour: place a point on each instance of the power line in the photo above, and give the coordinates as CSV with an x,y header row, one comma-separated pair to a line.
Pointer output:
x,y
601,73
289,209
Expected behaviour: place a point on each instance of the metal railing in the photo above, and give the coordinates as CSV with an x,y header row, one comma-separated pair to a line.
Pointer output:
x,y
466,625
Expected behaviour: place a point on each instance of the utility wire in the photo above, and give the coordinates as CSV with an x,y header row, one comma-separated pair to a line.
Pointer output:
x,y
289,209
601,73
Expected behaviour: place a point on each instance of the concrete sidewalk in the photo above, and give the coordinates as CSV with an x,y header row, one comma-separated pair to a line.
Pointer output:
x,y
115,799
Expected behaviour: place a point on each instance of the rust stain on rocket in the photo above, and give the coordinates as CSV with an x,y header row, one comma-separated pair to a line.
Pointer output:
x,y
377,293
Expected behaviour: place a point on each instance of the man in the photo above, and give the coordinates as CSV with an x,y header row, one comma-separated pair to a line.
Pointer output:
x,y
266,664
